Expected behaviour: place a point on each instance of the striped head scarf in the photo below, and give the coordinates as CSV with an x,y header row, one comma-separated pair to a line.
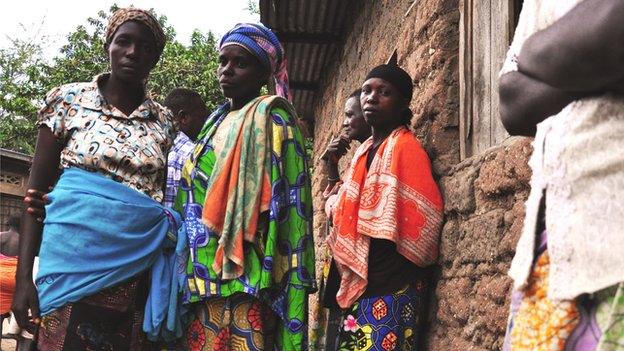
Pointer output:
x,y
261,42
124,15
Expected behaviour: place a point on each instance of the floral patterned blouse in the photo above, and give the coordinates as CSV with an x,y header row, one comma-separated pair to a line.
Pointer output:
x,y
100,138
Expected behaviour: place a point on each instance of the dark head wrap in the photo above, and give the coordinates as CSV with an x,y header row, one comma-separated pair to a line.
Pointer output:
x,y
261,42
396,76
124,15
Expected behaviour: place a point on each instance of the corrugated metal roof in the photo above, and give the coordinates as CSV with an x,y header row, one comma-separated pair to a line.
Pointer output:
x,y
311,31
15,155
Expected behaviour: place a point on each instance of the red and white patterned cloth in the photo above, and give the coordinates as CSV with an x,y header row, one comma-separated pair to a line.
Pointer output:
x,y
397,199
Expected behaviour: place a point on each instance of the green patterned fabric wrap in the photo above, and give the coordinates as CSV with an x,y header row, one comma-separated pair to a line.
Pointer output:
x,y
279,267
610,317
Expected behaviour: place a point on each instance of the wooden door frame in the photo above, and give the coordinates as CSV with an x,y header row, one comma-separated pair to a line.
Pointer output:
x,y
466,74
465,78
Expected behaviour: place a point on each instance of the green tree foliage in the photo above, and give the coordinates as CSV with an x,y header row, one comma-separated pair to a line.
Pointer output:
x,y
25,76
253,7
193,66
83,56
20,80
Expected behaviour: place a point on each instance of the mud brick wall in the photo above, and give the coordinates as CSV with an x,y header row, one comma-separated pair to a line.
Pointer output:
x,y
484,209
484,194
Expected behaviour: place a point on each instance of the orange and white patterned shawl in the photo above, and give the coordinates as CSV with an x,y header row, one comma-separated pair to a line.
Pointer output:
x,y
396,199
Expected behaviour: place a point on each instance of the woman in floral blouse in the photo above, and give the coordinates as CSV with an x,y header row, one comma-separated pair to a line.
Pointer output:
x,y
105,226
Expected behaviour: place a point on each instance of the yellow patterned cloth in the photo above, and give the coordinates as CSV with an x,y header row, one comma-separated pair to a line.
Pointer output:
x,y
236,323
542,324
589,323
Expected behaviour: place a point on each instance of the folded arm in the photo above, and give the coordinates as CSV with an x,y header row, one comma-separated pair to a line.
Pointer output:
x,y
582,51
525,102
579,55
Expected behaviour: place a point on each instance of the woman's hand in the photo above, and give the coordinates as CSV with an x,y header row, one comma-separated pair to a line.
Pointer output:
x,y
336,148
35,202
332,188
25,301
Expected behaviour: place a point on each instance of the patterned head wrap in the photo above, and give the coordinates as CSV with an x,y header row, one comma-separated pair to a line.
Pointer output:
x,y
261,42
124,15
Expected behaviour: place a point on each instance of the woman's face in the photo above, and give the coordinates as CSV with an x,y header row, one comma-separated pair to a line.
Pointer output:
x,y
354,124
381,104
132,52
240,74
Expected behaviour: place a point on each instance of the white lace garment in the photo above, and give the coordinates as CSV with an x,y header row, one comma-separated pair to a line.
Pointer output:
x,y
578,159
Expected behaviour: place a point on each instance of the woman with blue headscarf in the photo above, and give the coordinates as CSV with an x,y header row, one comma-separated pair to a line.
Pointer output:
x,y
246,201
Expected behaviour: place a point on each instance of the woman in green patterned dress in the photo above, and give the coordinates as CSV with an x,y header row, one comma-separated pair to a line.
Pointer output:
x,y
246,201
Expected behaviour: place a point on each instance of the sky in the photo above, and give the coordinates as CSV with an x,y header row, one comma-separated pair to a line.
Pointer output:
x,y
56,18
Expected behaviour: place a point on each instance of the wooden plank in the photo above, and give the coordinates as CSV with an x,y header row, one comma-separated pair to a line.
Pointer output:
x,y
486,28
465,78
501,16
11,190
481,62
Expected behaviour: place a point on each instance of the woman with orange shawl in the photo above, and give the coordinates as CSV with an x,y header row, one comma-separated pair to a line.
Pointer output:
x,y
386,223
8,263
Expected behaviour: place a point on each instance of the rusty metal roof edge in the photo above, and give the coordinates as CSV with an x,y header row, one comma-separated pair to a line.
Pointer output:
x,y
15,155
313,38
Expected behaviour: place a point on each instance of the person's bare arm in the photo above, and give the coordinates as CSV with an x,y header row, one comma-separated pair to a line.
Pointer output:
x,y
43,174
582,51
4,242
525,102
336,148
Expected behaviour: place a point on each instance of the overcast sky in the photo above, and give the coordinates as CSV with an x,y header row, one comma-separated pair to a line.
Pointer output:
x,y
56,18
